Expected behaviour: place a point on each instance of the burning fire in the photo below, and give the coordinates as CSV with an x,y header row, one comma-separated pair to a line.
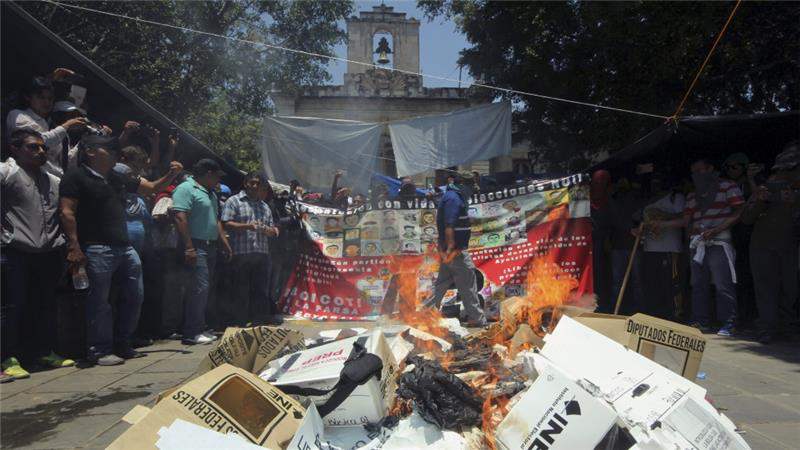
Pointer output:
x,y
548,288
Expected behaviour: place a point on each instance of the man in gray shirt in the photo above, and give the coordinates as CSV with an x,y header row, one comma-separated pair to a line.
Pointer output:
x,y
32,258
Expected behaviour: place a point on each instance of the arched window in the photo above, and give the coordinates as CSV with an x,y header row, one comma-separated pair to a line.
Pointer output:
x,y
383,49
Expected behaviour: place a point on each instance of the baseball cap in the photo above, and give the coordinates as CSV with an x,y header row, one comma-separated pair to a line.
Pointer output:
x,y
66,106
787,159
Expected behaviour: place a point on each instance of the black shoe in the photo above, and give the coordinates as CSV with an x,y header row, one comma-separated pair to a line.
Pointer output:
x,y
129,353
139,342
273,320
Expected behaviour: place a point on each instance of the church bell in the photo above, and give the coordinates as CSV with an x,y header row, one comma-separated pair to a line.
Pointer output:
x,y
383,58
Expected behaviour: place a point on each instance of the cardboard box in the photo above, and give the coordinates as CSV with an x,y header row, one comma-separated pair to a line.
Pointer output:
x,y
609,325
674,346
227,400
319,368
555,413
252,348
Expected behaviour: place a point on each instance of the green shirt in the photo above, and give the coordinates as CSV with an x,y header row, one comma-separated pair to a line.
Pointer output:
x,y
202,208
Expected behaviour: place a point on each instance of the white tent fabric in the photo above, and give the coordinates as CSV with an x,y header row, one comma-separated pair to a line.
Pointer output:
x,y
460,137
310,150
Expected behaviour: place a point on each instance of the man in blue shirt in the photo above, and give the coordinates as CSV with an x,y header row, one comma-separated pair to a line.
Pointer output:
x,y
456,266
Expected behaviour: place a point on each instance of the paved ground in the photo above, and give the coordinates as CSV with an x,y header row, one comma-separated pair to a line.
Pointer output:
x,y
758,387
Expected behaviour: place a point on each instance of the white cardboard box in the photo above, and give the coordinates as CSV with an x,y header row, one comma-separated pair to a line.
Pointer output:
x,y
555,413
319,368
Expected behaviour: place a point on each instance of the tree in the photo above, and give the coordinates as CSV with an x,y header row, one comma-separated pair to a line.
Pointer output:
x,y
193,78
634,55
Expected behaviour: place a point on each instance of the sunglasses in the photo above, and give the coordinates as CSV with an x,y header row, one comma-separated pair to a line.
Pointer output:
x,y
34,146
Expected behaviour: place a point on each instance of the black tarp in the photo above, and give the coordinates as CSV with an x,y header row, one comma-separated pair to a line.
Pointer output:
x,y
29,49
672,145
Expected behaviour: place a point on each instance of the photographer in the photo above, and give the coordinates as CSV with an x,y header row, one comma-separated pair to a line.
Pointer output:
x,y
38,95
773,211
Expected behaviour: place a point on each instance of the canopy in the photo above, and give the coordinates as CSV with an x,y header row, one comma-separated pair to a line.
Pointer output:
x,y
760,136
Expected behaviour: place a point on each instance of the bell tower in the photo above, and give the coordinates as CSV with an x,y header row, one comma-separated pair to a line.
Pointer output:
x,y
382,20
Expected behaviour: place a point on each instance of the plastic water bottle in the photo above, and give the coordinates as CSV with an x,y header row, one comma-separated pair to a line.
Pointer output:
x,y
80,281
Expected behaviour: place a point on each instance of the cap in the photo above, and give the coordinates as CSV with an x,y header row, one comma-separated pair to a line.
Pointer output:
x,y
224,189
787,159
205,165
66,106
737,158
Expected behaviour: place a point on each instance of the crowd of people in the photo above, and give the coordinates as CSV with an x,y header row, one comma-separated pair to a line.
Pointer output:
x,y
162,252
87,210
718,251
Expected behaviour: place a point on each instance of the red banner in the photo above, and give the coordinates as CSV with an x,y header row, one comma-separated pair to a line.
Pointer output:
x,y
345,271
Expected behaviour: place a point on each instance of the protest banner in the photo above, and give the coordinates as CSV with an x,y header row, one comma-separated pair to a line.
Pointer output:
x,y
346,269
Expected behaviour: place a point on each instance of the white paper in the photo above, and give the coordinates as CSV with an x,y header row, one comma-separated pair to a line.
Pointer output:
x,y
414,432
703,428
182,435
312,435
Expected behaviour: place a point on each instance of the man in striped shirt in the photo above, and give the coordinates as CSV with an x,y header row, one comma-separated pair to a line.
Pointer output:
x,y
710,212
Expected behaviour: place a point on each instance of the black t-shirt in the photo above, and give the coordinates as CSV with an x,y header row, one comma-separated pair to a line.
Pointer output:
x,y
101,205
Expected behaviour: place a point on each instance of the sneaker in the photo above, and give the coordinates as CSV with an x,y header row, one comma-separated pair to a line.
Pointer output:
x,y
129,353
726,331
701,326
56,361
5,378
106,360
210,335
200,339
12,367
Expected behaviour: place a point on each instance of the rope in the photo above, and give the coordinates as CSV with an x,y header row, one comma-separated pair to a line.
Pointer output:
x,y
337,58
705,62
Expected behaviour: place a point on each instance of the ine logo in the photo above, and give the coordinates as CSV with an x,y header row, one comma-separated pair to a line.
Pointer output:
x,y
544,440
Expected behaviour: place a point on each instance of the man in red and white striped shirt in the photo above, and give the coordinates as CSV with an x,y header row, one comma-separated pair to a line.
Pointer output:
x,y
710,212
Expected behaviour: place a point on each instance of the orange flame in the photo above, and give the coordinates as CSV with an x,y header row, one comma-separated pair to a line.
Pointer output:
x,y
494,410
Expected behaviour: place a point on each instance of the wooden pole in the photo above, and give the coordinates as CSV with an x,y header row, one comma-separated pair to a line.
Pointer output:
x,y
628,269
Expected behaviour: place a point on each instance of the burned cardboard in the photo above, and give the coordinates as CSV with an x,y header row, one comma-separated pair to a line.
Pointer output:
x,y
252,348
227,400
440,397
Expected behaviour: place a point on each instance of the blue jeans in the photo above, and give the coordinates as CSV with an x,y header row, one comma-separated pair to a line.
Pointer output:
x,y
194,309
104,262
714,269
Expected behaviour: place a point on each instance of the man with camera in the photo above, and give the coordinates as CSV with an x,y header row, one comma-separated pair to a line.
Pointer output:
x,y
773,210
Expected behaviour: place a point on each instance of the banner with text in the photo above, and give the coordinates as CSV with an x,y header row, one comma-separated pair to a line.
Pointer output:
x,y
346,269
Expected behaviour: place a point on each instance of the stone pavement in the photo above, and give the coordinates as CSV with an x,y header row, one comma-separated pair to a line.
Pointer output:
x,y
757,387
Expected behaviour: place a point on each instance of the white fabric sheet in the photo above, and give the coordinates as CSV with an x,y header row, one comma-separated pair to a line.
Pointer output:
x,y
460,137
310,150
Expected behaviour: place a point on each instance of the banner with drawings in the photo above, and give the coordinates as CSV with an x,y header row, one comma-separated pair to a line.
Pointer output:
x,y
346,269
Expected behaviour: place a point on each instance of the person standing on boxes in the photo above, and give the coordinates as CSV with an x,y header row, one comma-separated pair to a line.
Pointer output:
x,y
92,209
248,219
456,266
196,210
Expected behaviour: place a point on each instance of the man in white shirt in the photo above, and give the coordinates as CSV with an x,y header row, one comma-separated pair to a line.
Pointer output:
x,y
39,99
661,249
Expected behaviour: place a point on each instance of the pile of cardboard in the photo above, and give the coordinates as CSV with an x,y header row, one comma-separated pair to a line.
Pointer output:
x,y
594,381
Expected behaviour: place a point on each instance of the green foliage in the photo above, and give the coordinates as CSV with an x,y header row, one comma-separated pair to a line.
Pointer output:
x,y
634,55
215,87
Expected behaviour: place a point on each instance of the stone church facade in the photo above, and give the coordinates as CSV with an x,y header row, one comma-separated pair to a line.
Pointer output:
x,y
371,93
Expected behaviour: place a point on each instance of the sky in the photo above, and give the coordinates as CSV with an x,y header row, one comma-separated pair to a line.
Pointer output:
x,y
439,44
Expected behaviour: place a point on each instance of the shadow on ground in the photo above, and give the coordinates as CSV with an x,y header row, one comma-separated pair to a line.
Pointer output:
x,y
26,426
